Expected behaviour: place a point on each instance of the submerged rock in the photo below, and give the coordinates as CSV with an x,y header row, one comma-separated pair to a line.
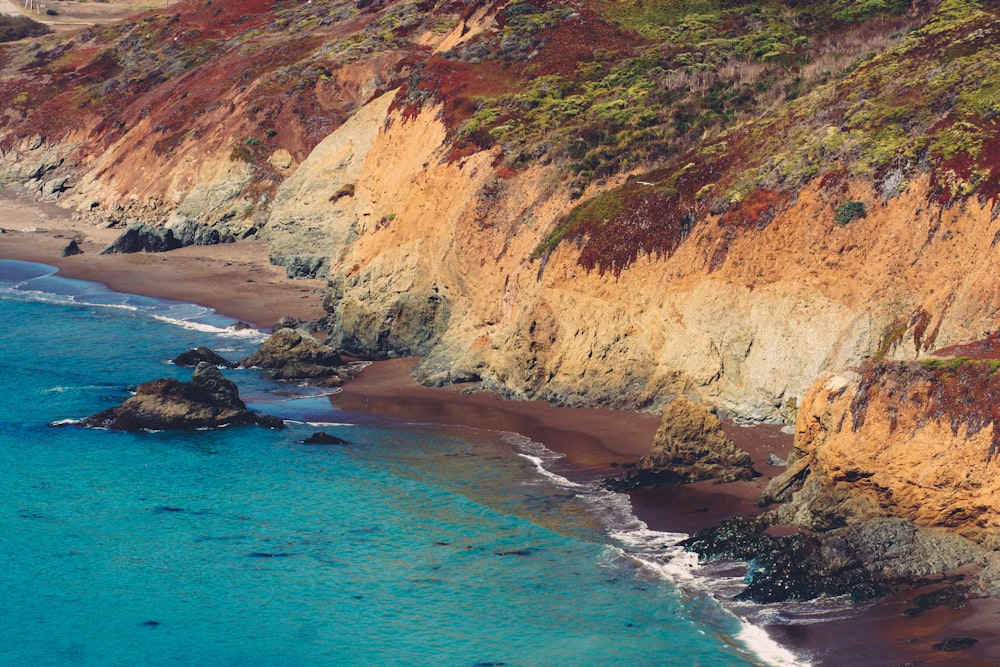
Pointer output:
x,y
208,400
196,355
690,446
294,354
324,438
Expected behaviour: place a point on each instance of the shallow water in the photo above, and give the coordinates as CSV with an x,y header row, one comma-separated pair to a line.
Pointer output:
x,y
414,545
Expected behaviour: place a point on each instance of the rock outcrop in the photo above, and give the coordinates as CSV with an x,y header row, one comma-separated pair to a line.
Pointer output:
x,y
72,248
294,354
690,446
915,440
196,355
864,561
208,400
147,238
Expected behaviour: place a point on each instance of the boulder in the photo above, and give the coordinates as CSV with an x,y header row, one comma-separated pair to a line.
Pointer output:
x,y
295,354
146,238
690,446
865,561
72,248
208,400
196,355
143,238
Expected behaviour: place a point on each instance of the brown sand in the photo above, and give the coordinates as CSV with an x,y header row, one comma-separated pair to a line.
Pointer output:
x,y
237,280
233,278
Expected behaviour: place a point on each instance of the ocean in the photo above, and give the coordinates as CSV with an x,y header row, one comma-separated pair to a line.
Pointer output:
x,y
416,544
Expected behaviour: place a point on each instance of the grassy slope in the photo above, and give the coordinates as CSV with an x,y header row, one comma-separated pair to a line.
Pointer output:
x,y
726,107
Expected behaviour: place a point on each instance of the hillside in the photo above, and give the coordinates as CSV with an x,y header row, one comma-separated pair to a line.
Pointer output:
x,y
593,203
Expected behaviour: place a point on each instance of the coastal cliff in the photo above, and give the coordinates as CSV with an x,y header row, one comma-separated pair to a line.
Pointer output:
x,y
778,211
914,440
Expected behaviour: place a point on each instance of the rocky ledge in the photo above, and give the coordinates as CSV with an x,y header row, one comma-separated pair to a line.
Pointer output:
x,y
208,400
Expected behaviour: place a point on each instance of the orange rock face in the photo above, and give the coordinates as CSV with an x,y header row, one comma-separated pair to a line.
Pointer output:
x,y
915,440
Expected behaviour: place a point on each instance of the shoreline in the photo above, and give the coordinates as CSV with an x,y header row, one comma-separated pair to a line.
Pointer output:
x,y
237,280
234,279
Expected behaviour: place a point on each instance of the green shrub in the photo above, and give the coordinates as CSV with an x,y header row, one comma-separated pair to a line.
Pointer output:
x,y
850,211
13,28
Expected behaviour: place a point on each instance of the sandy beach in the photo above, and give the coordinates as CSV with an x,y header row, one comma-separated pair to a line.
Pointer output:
x,y
237,280
233,278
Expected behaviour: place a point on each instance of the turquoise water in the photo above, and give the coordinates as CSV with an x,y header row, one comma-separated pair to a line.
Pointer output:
x,y
415,545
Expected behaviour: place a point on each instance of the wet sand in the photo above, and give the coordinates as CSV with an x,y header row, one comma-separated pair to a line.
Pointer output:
x,y
236,280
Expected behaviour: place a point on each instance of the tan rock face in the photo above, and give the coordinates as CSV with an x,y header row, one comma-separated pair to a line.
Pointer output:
x,y
909,440
436,258
690,446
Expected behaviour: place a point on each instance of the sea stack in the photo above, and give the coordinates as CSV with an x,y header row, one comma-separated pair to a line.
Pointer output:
x,y
208,400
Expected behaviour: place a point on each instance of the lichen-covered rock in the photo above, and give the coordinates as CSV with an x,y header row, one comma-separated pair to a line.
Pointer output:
x,y
690,446
208,400
295,354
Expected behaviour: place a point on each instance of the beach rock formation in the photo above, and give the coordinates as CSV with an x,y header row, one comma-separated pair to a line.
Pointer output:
x,y
208,400
72,248
295,354
324,438
148,238
196,355
864,561
915,440
690,446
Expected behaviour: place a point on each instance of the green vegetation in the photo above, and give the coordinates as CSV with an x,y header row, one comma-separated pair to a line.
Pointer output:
x,y
13,28
850,211
988,366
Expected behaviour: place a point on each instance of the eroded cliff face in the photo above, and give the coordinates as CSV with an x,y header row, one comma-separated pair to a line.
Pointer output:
x,y
914,440
412,156
437,257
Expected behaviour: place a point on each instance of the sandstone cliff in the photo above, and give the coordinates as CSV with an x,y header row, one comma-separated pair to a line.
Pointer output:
x,y
484,188
915,440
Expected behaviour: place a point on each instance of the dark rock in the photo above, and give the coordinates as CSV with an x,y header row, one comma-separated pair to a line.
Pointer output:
x,y
188,232
294,354
71,249
197,355
208,400
866,560
146,238
955,644
797,567
143,238
241,326
952,596
322,438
